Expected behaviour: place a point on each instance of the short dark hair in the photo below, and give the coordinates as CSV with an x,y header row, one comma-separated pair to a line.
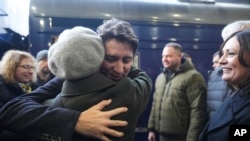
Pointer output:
x,y
119,30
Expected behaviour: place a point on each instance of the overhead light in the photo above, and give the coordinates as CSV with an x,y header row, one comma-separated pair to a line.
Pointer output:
x,y
33,7
154,38
176,15
176,24
197,19
107,15
41,22
173,39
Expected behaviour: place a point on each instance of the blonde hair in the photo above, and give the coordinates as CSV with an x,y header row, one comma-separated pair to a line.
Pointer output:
x,y
10,60
234,27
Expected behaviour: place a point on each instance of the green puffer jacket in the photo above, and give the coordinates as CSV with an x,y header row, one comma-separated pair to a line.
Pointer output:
x,y
179,106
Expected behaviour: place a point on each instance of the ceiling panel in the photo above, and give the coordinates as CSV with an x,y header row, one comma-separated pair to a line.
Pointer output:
x,y
145,10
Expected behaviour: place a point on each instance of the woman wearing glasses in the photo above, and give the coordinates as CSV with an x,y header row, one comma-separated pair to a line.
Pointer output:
x,y
17,74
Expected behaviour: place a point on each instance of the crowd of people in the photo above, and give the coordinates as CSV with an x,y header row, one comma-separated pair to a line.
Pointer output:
x,y
93,91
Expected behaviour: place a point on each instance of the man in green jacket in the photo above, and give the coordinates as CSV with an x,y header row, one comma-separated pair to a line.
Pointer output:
x,y
179,109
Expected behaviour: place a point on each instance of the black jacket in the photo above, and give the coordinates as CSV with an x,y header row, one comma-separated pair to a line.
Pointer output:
x,y
9,91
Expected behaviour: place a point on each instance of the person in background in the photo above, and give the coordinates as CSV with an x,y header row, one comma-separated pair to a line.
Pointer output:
x,y
43,72
17,77
233,27
235,63
179,104
218,89
215,60
117,35
187,56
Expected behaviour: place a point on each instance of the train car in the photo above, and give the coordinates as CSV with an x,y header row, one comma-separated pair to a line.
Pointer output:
x,y
195,24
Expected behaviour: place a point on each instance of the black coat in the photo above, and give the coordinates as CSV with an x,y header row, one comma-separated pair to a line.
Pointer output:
x,y
234,110
9,91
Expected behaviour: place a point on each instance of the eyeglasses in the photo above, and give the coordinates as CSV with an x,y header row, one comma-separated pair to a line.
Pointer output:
x,y
27,67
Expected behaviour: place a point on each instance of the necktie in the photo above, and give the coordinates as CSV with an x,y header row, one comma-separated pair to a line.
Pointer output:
x,y
26,87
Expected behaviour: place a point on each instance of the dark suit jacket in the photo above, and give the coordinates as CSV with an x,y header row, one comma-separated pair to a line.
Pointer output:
x,y
235,110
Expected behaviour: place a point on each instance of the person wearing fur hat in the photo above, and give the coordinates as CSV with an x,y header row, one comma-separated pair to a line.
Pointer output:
x,y
87,83
43,72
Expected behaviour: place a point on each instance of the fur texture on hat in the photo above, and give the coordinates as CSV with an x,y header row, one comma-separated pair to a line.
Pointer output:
x,y
78,53
43,54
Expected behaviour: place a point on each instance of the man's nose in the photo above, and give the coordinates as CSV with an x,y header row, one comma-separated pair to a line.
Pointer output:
x,y
119,67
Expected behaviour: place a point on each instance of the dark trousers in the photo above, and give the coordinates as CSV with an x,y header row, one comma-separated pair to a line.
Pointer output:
x,y
172,138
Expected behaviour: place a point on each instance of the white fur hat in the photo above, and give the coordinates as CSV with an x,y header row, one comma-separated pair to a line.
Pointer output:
x,y
78,53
